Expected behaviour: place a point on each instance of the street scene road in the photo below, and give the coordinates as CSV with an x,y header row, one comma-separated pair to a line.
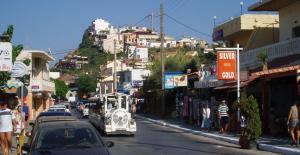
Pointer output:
x,y
155,139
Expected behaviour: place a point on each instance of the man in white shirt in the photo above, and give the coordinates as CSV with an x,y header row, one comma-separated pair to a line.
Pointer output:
x,y
7,125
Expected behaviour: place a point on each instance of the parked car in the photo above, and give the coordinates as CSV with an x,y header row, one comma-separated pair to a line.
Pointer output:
x,y
67,137
45,119
58,107
85,111
54,113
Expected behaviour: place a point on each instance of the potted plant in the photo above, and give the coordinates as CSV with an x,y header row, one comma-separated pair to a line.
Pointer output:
x,y
252,129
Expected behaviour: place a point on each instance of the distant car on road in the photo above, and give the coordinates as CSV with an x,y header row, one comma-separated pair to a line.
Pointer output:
x,y
67,137
58,107
54,113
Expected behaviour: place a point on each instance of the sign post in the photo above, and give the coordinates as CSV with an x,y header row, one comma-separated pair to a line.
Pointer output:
x,y
5,56
227,57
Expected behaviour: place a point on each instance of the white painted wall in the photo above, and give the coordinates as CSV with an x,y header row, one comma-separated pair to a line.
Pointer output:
x,y
54,75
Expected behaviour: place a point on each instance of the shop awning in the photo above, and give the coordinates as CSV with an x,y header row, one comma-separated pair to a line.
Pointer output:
x,y
282,71
233,84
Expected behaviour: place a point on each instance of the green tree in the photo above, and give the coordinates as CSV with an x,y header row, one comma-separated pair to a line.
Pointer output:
x,y
86,84
6,37
249,109
87,41
263,58
61,88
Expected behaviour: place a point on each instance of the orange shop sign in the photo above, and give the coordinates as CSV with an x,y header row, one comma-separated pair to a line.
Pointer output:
x,y
226,65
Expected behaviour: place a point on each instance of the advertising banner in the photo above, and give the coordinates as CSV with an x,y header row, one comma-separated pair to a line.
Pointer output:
x,y
5,56
180,81
226,65
169,81
175,79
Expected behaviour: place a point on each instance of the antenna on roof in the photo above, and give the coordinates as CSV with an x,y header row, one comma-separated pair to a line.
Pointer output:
x,y
49,51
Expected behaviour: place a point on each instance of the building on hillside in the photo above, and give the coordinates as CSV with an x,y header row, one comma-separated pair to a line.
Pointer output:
x,y
101,26
133,29
131,80
70,81
72,61
138,53
107,81
191,42
41,88
54,75
114,38
105,35
129,38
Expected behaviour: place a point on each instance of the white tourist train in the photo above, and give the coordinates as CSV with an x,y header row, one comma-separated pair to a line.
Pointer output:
x,y
112,114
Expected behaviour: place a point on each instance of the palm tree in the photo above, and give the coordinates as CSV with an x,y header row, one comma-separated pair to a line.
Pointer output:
x,y
263,58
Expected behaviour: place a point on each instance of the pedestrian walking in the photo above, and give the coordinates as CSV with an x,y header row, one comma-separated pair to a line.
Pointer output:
x,y
223,115
26,111
7,126
205,116
293,123
133,108
20,122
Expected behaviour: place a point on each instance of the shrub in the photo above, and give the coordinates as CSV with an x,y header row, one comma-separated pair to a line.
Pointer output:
x,y
249,109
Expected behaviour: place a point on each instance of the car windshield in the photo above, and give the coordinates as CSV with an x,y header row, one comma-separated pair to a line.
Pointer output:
x,y
55,138
61,110
63,113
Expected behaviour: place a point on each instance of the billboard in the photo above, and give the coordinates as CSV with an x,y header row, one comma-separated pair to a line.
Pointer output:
x,y
226,65
5,56
169,81
180,80
174,79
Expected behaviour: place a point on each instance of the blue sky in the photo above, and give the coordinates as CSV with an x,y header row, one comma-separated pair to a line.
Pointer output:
x,y
59,24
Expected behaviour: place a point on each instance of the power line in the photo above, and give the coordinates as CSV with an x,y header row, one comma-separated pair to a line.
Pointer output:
x,y
141,20
189,27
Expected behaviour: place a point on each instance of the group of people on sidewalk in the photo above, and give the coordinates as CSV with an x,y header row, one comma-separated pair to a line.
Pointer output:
x,y
11,122
294,124
222,117
205,114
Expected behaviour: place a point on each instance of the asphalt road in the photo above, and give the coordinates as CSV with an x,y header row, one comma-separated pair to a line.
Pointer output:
x,y
152,139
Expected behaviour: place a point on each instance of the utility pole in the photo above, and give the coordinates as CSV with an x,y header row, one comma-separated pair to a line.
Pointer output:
x,y
152,22
162,58
115,67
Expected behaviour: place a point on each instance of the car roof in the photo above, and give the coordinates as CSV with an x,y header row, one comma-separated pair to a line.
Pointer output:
x,y
43,119
59,124
54,113
58,105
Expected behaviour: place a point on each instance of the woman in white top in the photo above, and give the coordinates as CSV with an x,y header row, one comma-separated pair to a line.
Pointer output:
x,y
205,116
7,125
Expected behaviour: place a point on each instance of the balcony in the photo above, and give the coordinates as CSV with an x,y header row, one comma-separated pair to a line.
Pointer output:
x,y
249,58
42,85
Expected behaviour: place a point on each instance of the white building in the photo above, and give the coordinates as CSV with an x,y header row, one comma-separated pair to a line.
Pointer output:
x,y
108,44
41,87
100,25
106,84
54,75
134,28
131,80
138,53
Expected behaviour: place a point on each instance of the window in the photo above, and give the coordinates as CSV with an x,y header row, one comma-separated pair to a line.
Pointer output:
x,y
37,62
296,32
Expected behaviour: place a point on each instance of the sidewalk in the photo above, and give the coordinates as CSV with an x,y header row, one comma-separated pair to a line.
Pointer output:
x,y
277,145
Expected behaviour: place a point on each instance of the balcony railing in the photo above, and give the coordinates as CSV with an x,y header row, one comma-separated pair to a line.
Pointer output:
x,y
42,85
249,58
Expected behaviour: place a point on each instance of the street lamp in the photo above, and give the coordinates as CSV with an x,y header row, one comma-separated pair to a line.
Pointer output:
x,y
241,4
215,17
